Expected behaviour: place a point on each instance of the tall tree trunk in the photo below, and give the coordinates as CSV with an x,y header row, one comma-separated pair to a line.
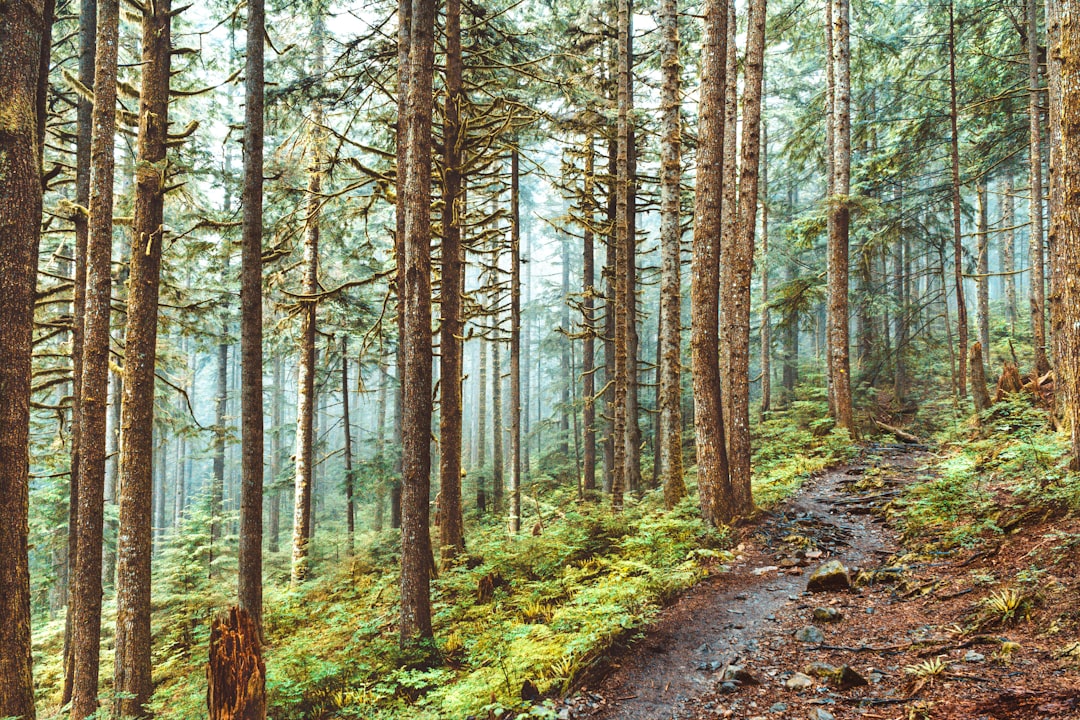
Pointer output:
x,y
633,426
830,177
714,483
740,264
610,315
982,282
730,203
481,426
451,531
86,630
900,384
416,341
276,446
346,422
623,283
251,352
497,480
1064,71
21,36
132,670
380,447
766,320
515,345
87,51
217,486
669,406
958,249
588,319
563,447
839,342
1035,211
1008,251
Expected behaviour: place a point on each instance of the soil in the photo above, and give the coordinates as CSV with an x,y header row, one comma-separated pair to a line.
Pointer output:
x,y
915,627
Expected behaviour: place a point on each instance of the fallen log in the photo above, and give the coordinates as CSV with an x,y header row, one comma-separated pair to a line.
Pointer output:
x,y
901,435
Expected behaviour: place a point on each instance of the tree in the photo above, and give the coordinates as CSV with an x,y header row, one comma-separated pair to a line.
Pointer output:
x,y
1035,247
714,483
21,36
415,268
623,283
86,625
515,345
346,423
840,210
132,676
670,403
451,532
740,268
588,272
958,247
249,592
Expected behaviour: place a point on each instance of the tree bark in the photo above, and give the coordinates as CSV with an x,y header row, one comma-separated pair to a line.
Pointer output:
x,y
1037,261
623,283
766,320
1008,251
958,249
251,333
714,482
416,342
481,426
276,447
221,403
670,399
306,401
588,272
236,675
86,631
451,531
839,342
979,393
84,111
515,345
21,37
350,511
132,675
982,282
497,479
740,265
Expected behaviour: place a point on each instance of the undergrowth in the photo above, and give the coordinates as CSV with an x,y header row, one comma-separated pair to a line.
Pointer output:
x,y
541,609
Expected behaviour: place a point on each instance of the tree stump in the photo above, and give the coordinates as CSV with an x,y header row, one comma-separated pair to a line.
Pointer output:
x,y
236,676
1009,383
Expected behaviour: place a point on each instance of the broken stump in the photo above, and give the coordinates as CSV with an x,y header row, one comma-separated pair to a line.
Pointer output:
x,y
236,675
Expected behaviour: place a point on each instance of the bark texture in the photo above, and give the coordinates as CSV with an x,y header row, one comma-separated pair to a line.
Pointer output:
x,y
236,675
1035,206
21,36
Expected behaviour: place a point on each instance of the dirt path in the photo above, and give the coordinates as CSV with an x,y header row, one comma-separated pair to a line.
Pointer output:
x,y
724,620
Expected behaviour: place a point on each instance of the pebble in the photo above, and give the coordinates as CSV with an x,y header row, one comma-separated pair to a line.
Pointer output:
x,y
819,714
974,657
778,708
828,614
798,681
810,634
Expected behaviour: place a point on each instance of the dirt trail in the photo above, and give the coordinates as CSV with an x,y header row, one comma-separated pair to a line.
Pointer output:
x,y
725,620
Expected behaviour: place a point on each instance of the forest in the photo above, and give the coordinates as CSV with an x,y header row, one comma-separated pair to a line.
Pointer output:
x,y
540,358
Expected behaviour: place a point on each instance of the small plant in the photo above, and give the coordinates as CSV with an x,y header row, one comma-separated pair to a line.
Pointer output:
x,y
1005,605
927,670
920,710
1006,651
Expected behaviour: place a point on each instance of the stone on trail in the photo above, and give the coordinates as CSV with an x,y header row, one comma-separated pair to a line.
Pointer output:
x,y
820,714
810,634
828,614
829,576
846,678
798,681
820,670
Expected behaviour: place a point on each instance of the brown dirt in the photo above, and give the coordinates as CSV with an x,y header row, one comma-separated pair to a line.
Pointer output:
x,y
908,611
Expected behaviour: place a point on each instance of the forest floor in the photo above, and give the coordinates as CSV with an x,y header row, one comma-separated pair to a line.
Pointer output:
x,y
924,633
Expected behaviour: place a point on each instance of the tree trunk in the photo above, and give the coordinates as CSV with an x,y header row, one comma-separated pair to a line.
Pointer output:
x,y
401,129
766,320
958,249
132,669
481,426
982,282
515,346
633,426
350,511
416,341
1065,216
1035,211
87,51
838,341
588,272
497,480
251,353
623,283
979,392
714,482
86,626
276,447
1008,251
830,178
380,448
306,370
670,399
21,36
563,447
740,265
236,675
730,205
451,531
610,315
217,487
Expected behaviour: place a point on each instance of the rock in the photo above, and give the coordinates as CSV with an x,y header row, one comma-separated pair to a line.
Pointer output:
x,y
798,681
739,674
820,714
529,691
829,576
788,563
726,688
810,634
974,657
704,648
820,670
828,614
763,570
846,678
814,554
778,708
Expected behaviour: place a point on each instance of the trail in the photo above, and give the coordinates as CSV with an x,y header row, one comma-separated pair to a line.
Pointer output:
x,y
726,619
